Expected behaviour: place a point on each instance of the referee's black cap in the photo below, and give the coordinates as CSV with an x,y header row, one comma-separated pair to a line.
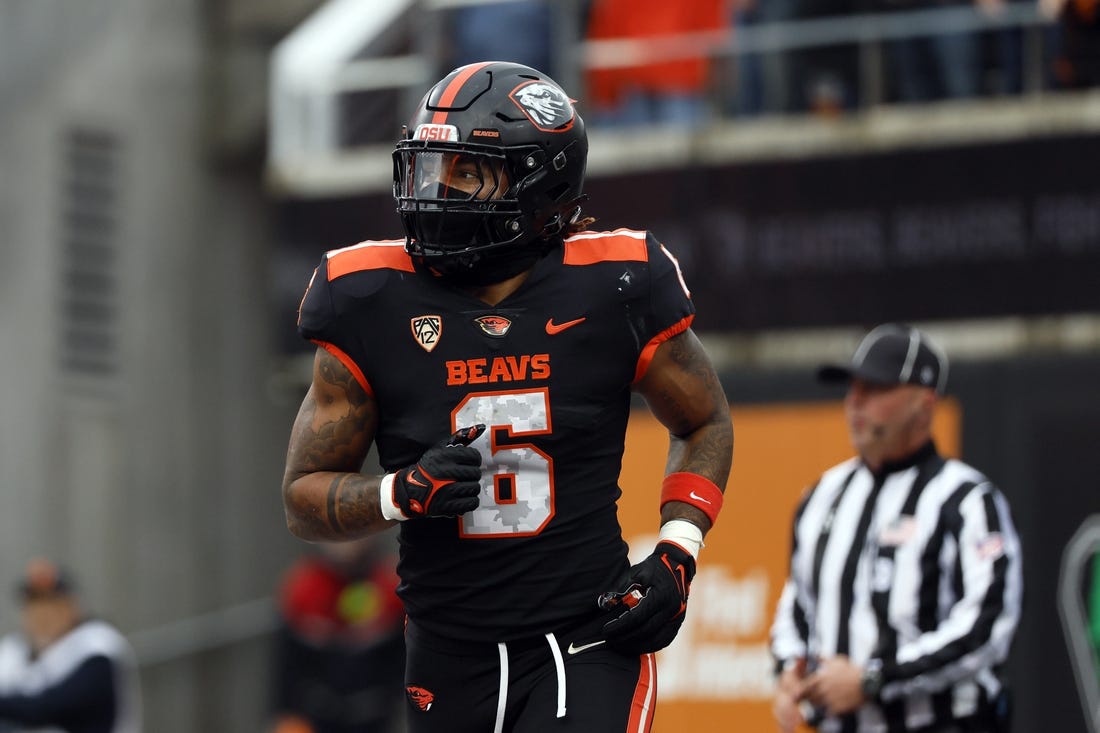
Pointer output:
x,y
893,354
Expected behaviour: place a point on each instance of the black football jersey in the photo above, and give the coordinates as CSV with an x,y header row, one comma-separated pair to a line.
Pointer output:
x,y
549,370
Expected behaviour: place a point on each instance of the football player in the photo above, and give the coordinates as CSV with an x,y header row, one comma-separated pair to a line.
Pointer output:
x,y
491,357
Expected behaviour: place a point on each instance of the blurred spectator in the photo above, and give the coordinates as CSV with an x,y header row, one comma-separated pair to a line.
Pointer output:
x,y
340,654
1008,52
517,31
944,65
64,670
1078,63
761,81
826,78
662,91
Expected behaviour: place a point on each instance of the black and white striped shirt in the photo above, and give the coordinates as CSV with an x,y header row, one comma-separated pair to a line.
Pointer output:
x,y
917,565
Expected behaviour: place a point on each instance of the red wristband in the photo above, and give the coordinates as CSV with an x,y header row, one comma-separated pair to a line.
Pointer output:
x,y
691,488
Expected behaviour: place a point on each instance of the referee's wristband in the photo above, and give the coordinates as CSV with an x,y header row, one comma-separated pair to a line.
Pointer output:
x,y
684,534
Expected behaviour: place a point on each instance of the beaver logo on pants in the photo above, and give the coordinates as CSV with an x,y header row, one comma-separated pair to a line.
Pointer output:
x,y
420,697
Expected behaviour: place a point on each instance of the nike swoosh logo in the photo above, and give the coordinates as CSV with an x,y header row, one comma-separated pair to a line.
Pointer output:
x,y
553,328
695,496
574,649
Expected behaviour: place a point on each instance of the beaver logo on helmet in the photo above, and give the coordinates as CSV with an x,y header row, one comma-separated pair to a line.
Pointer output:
x,y
545,105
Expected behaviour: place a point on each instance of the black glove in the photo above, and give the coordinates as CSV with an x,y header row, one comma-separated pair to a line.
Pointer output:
x,y
445,481
654,599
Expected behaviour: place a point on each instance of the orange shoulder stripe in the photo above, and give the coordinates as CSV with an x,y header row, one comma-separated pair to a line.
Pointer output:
x,y
388,254
348,362
648,350
621,245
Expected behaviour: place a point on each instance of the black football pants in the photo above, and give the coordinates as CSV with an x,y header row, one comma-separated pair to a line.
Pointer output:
x,y
524,687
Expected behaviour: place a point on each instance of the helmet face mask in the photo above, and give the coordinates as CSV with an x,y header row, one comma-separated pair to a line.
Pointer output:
x,y
489,172
441,176
454,201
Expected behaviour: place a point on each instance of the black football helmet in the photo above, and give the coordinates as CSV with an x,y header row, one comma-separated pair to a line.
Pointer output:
x,y
489,172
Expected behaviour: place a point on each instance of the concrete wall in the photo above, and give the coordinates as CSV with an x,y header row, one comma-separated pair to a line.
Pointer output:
x,y
156,479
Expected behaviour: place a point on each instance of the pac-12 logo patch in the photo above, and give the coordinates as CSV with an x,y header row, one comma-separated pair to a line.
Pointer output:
x,y
496,326
426,330
545,105
420,698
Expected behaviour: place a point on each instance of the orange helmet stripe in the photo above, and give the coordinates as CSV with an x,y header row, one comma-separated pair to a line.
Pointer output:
x,y
449,94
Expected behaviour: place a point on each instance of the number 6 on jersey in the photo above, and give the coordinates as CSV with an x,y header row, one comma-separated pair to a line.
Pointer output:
x,y
517,485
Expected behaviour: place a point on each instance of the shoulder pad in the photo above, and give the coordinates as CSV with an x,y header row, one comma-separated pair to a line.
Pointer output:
x,y
346,275
384,255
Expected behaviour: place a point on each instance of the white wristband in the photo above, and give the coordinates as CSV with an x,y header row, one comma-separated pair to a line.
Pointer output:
x,y
683,533
390,509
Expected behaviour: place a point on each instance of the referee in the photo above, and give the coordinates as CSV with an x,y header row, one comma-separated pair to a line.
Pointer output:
x,y
905,577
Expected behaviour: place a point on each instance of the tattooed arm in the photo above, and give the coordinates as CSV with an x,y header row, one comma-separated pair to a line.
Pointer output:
x,y
324,494
683,392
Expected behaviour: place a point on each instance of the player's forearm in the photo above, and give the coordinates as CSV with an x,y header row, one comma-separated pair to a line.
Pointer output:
x,y
694,408
685,394
329,505
706,452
